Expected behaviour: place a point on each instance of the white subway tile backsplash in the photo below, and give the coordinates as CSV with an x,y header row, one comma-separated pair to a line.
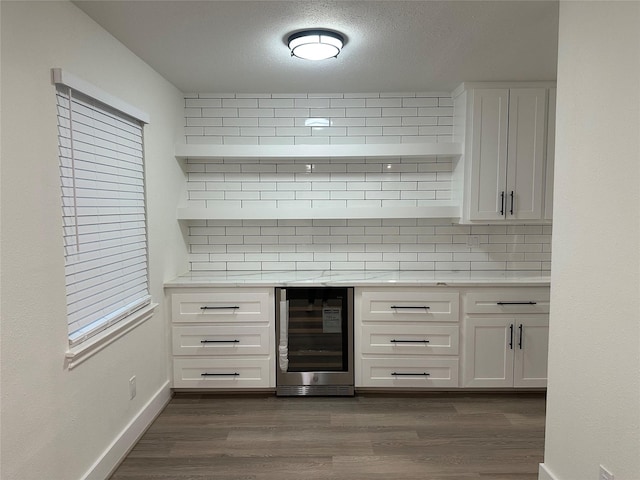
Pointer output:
x,y
311,103
420,102
239,103
347,102
326,113
383,121
400,112
276,140
276,102
363,112
202,102
384,102
275,122
329,131
203,122
219,112
373,244
435,111
382,265
291,112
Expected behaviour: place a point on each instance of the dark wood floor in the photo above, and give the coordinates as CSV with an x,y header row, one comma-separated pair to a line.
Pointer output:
x,y
434,436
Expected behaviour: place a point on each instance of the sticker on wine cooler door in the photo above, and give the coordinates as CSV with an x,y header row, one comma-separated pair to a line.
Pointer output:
x,y
331,320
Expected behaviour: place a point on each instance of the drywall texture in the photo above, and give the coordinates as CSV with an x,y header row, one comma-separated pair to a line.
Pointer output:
x,y
593,414
56,422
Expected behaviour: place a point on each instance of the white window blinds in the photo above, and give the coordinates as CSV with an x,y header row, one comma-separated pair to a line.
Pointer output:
x,y
104,218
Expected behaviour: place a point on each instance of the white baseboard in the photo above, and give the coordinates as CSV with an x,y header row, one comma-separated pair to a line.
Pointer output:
x,y
545,474
120,447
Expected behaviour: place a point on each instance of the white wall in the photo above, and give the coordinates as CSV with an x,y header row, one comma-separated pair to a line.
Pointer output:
x,y
56,422
594,356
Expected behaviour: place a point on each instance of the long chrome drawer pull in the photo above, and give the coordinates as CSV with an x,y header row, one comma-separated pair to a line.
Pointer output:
x,y
409,341
397,374
219,341
424,307
220,374
234,307
516,303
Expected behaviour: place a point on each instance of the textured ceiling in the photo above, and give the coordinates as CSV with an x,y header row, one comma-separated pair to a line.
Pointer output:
x,y
392,46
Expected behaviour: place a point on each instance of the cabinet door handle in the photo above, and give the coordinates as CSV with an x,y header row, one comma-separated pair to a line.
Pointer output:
x,y
233,307
409,341
516,303
511,210
396,307
520,337
501,203
219,341
400,374
235,374
511,337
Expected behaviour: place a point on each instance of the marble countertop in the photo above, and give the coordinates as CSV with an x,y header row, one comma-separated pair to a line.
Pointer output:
x,y
360,278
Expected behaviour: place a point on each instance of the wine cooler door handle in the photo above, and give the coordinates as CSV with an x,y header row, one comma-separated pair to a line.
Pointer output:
x,y
283,346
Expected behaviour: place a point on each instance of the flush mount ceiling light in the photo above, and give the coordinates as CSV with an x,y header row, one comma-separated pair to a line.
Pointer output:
x,y
315,44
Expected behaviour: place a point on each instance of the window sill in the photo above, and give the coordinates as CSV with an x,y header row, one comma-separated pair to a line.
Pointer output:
x,y
78,354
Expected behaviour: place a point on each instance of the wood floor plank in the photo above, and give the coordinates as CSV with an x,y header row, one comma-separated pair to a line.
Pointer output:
x,y
436,436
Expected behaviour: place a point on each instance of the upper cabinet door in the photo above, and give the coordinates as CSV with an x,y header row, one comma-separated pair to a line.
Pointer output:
x,y
526,153
489,152
551,155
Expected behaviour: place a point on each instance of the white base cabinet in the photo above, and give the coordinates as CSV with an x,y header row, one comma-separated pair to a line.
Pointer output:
x,y
223,338
506,352
506,336
407,338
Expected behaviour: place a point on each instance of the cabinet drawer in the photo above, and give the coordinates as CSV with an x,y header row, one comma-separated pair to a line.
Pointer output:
x,y
221,373
413,305
507,300
220,305
221,340
409,339
409,372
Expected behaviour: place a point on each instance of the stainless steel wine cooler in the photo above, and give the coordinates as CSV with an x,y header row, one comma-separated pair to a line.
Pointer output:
x,y
314,338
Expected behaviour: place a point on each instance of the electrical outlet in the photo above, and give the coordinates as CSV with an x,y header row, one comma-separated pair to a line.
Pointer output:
x,y
473,241
132,387
605,474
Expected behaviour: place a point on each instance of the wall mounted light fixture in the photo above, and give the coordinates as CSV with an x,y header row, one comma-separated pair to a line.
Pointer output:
x,y
315,44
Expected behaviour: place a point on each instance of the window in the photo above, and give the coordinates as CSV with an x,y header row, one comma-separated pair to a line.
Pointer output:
x,y
101,153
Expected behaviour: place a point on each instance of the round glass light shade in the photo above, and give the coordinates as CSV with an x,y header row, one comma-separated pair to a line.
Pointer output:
x,y
315,44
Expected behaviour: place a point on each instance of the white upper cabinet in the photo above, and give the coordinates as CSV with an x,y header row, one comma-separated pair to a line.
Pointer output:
x,y
489,150
505,154
526,154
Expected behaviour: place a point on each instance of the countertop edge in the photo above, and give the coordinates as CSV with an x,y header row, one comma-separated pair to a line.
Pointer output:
x,y
383,279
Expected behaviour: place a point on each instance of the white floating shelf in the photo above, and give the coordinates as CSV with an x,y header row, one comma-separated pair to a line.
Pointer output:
x,y
319,151
197,213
